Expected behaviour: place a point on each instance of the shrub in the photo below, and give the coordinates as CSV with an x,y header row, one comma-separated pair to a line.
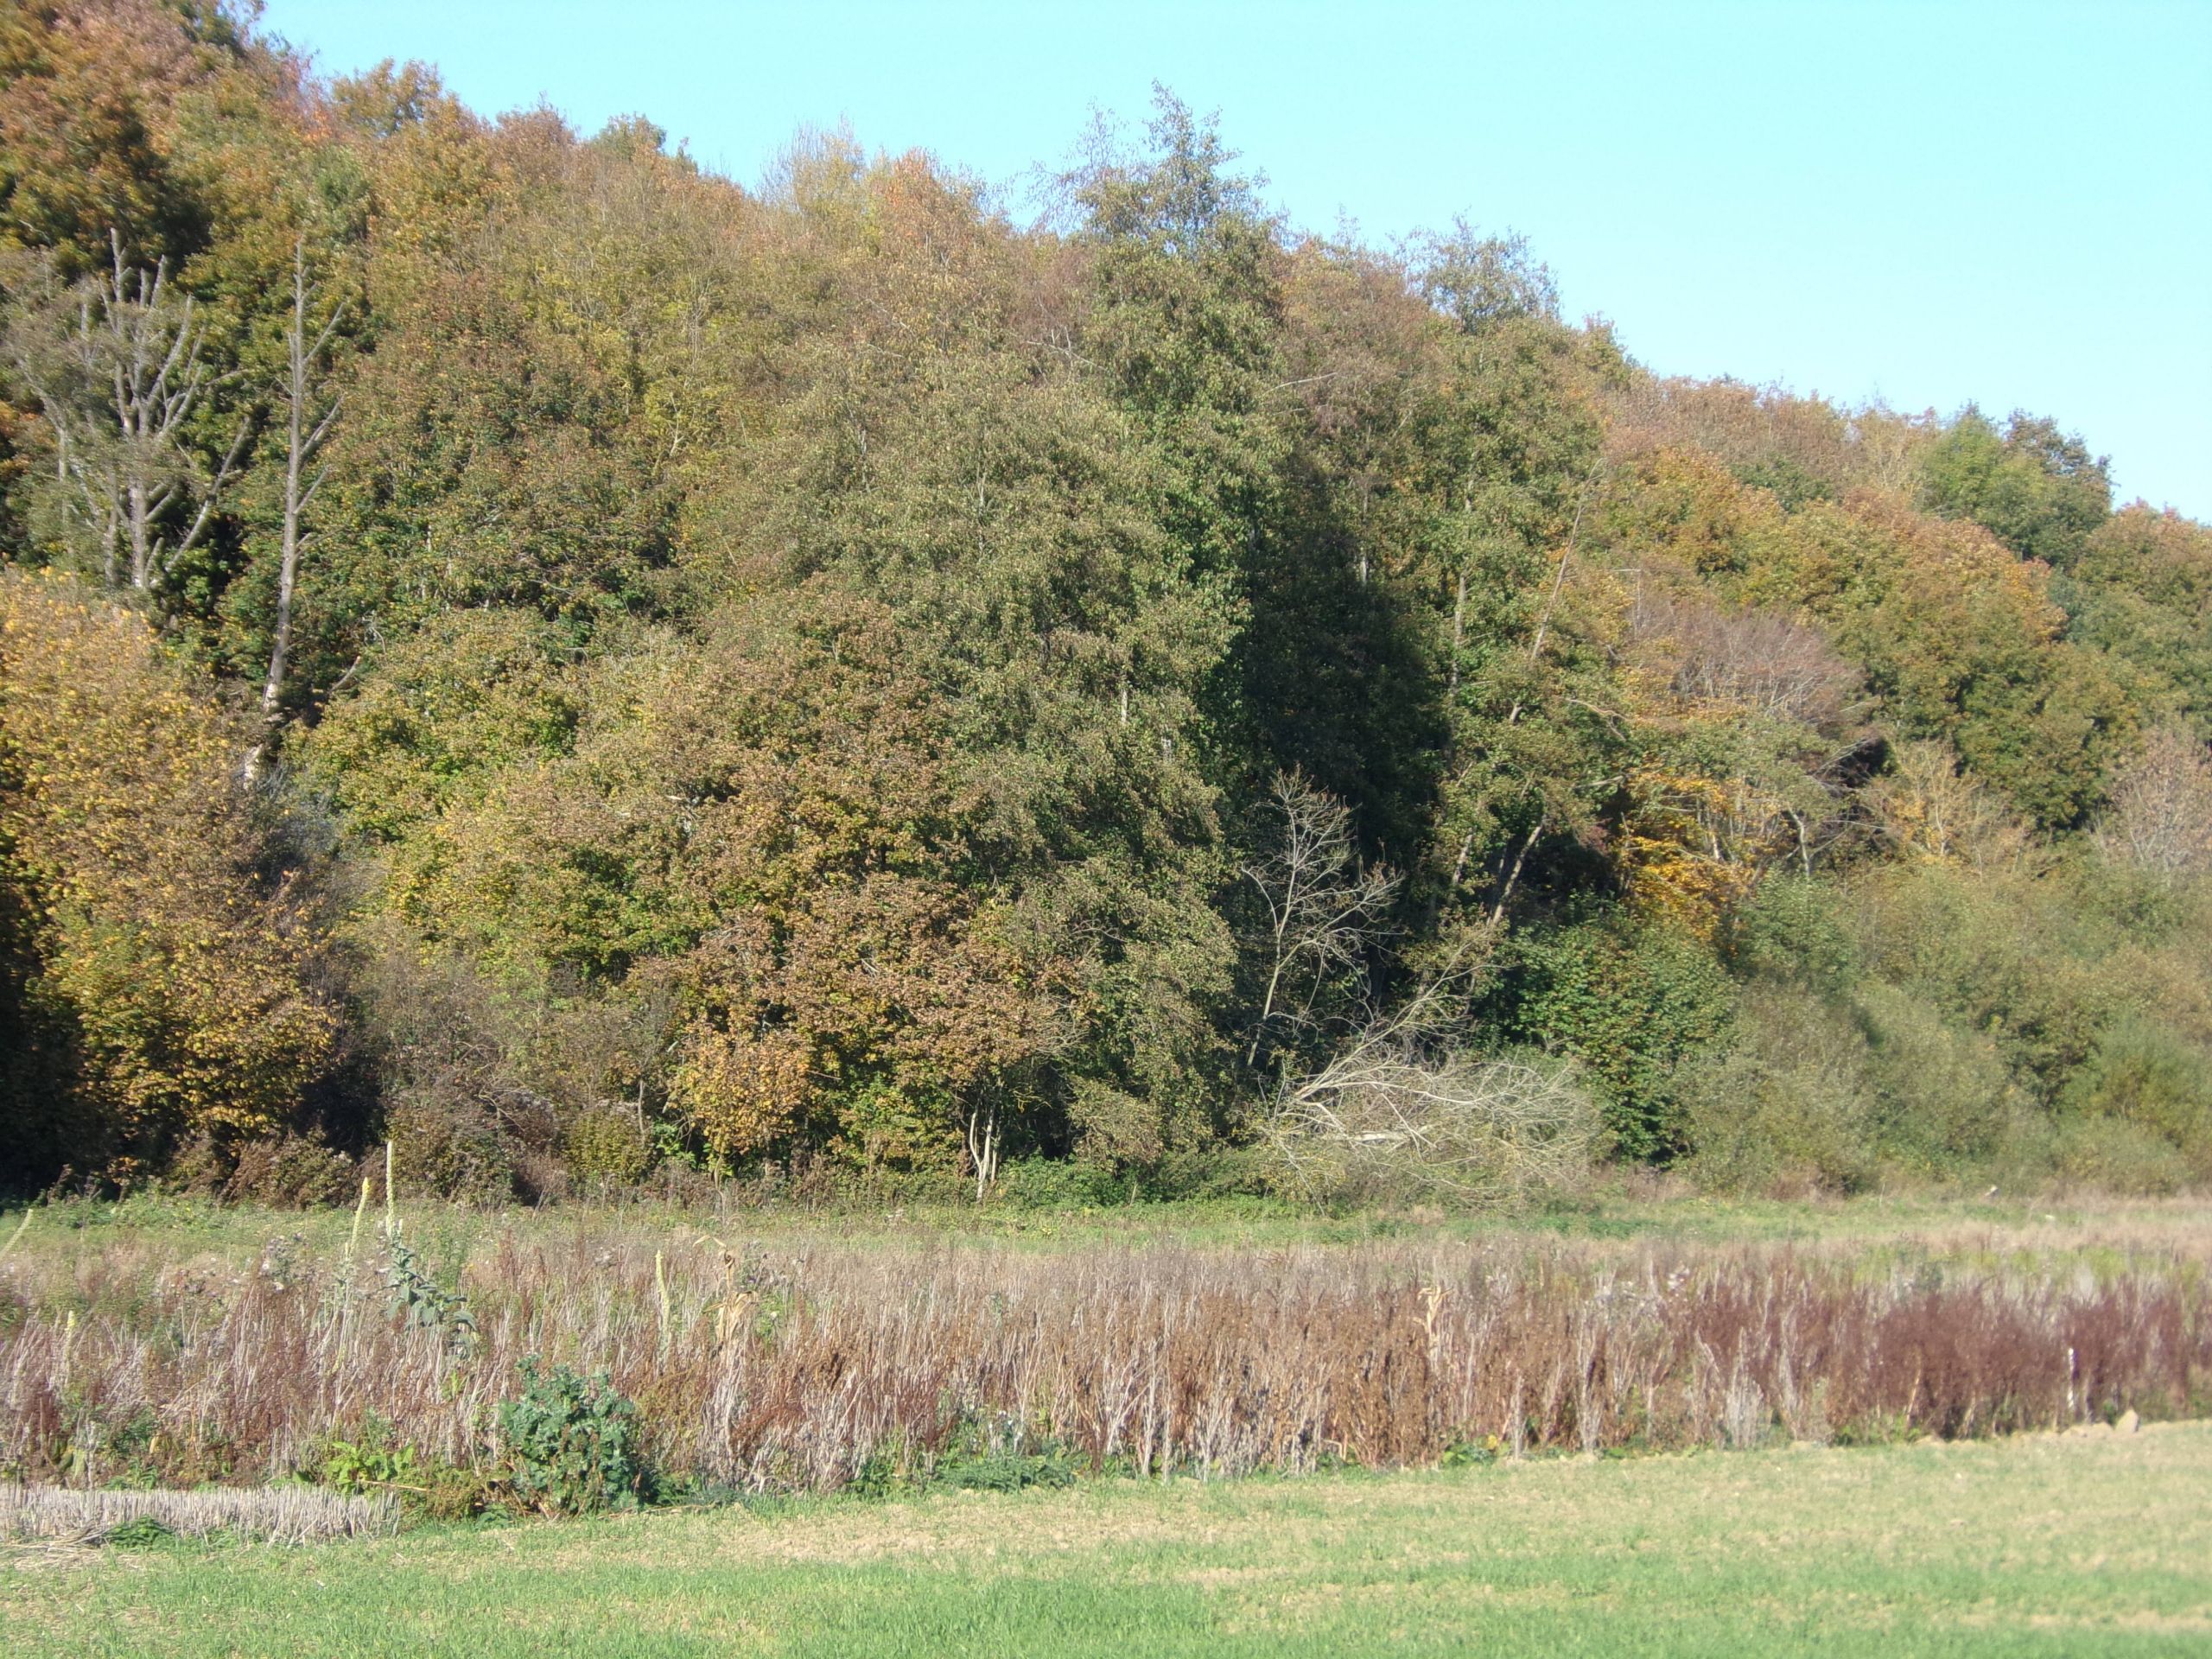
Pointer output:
x,y
1057,1184
2113,1155
449,1148
1791,1105
1944,1097
371,1461
1642,1006
2147,1076
606,1145
1998,952
1792,929
571,1444
290,1172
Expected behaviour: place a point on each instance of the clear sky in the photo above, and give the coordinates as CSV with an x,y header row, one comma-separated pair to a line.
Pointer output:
x,y
1929,203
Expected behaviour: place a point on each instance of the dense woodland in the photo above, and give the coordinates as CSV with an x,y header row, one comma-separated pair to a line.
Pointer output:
x,y
609,678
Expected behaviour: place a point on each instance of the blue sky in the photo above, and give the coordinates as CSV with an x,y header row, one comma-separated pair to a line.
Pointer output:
x,y
1928,203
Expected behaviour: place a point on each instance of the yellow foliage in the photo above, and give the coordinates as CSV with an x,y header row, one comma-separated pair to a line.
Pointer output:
x,y
171,985
1931,813
1691,847
743,1092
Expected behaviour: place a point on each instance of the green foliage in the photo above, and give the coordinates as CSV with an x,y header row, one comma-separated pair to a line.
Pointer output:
x,y
606,1144
2141,591
2144,1074
782,677
366,1464
2035,488
1794,929
1640,1006
1789,1106
570,1444
424,1303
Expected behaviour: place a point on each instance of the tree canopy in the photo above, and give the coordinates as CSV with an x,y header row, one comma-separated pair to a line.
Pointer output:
x,y
518,645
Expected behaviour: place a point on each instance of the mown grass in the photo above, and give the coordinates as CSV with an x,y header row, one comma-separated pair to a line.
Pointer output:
x,y
2078,1545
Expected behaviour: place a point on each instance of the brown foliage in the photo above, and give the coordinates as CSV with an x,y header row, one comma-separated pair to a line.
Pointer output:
x,y
2161,818
1753,662
798,1368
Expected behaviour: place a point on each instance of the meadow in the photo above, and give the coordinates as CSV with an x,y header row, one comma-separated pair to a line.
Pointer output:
x,y
1644,1423
2092,1543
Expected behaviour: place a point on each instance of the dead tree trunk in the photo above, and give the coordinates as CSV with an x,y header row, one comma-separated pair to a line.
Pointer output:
x,y
305,429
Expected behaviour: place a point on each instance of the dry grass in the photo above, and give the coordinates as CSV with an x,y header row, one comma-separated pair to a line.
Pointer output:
x,y
290,1514
807,1363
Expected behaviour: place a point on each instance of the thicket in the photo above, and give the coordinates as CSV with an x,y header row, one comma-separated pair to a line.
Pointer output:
x,y
601,676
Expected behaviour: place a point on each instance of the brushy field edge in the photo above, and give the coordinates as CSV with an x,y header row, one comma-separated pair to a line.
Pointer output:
x,y
157,1342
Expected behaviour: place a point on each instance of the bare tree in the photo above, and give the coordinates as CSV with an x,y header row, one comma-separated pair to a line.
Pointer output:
x,y
1398,1112
2161,816
1323,906
983,1147
1757,661
118,373
308,418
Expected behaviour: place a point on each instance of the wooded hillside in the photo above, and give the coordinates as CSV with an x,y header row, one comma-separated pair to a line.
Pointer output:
x,y
515,644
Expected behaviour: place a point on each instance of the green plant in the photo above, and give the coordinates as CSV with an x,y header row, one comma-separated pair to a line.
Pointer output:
x,y
571,1444
1642,1006
358,1465
607,1144
426,1304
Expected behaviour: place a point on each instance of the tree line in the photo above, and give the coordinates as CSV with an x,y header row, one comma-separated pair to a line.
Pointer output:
x,y
517,646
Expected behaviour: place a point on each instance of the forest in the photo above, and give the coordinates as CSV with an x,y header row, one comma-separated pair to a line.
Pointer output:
x,y
603,679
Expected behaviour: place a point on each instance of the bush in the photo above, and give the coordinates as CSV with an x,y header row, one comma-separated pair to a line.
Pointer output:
x,y
1792,929
571,1444
2112,1155
1641,1007
448,1148
2148,1077
290,1173
1944,1097
606,1145
1996,952
1057,1184
1791,1106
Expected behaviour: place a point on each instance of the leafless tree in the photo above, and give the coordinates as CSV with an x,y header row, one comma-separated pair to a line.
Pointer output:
x,y
1749,659
984,1148
2161,816
1324,906
117,373
308,416
1398,1112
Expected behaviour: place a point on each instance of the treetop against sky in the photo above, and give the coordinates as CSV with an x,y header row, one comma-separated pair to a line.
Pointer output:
x,y
1928,203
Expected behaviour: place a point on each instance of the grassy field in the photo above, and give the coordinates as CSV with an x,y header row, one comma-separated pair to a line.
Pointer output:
x,y
1641,1210
2086,1544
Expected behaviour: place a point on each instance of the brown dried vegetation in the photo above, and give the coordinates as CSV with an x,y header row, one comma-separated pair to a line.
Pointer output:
x,y
813,1364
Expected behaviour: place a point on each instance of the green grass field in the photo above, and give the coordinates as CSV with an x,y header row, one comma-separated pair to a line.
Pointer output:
x,y
179,1227
2078,1545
